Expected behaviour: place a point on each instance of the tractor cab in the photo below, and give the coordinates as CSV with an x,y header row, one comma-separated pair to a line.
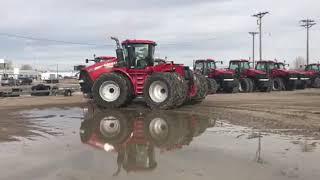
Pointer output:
x,y
266,66
313,67
204,67
135,54
239,66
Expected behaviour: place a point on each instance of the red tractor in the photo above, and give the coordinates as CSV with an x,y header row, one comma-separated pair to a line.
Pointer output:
x,y
303,77
282,79
217,79
116,81
135,136
250,79
313,70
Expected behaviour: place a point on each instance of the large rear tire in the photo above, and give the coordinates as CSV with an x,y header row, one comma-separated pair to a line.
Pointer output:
x,y
316,82
212,86
277,84
251,85
160,91
182,89
202,88
290,85
244,85
268,88
110,91
234,88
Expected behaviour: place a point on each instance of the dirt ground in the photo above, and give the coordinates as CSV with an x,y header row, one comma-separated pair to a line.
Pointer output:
x,y
295,112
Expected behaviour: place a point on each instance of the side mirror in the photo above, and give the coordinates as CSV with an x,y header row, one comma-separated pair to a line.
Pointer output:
x,y
87,61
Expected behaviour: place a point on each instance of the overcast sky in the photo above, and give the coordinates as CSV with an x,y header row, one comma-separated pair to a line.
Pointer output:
x,y
184,29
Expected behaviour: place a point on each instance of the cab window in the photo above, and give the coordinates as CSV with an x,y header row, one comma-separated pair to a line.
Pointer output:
x,y
261,66
246,65
199,67
234,65
212,65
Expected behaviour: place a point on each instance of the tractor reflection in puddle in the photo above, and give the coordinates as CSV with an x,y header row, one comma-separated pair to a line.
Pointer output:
x,y
134,135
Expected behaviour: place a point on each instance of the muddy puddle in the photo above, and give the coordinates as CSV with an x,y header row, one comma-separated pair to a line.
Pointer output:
x,y
106,143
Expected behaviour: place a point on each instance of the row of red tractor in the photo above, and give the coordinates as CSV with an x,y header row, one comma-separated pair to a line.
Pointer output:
x,y
265,77
114,82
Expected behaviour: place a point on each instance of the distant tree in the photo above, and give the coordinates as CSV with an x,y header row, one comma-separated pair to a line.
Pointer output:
x,y
299,63
26,67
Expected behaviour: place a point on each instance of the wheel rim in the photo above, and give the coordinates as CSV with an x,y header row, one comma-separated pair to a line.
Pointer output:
x,y
158,129
110,126
158,91
109,91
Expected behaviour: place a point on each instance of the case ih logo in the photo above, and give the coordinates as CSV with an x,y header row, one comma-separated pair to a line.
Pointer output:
x,y
107,66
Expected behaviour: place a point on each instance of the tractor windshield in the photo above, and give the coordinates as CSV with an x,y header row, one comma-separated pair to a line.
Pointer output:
x,y
143,55
261,66
234,65
212,65
280,66
198,66
245,65
313,67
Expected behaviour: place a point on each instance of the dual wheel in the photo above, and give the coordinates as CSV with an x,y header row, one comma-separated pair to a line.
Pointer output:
x,y
246,85
161,90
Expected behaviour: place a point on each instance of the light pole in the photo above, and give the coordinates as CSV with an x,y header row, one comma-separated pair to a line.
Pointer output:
x,y
253,46
259,21
307,23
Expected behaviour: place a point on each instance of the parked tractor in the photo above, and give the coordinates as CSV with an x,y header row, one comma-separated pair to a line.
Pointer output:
x,y
217,79
313,70
115,82
303,77
282,79
250,79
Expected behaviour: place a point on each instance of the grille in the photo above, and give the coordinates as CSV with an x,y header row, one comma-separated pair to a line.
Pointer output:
x,y
227,76
262,76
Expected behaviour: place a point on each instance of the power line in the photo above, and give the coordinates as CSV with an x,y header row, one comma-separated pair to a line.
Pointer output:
x,y
307,23
51,40
260,16
91,44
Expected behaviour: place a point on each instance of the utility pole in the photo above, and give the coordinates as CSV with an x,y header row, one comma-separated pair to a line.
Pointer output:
x,y
253,40
57,71
259,22
307,23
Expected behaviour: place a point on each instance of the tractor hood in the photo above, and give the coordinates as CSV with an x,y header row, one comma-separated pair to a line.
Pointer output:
x,y
292,74
289,72
253,72
223,72
312,73
103,64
